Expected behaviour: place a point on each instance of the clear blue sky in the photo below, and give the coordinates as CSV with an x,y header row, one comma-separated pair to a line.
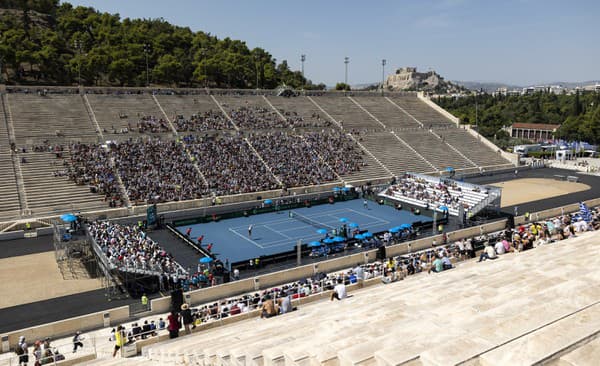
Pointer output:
x,y
511,41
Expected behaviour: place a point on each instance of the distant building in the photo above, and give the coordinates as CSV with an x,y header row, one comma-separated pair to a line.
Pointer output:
x,y
538,132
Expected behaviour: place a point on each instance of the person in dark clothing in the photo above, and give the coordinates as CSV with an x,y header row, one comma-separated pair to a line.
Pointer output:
x,y
136,331
186,316
77,341
146,329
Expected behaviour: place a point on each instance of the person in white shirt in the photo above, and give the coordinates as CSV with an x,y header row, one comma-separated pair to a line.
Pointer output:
x,y
488,253
499,248
339,291
360,275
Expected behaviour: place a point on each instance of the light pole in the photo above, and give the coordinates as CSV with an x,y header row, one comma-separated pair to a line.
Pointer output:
x,y
476,108
346,61
302,59
77,45
147,50
383,62
256,65
203,55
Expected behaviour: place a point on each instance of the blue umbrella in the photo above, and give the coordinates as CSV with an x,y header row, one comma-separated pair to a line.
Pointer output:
x,y
268,201
353,224
339,239
327,240
314,244
68,217
359,236
205,260
343,219
443,208
322,231
395,229
450,169
367,234
336,189
405,226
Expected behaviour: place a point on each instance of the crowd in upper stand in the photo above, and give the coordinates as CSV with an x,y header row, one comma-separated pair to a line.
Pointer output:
x,y
295,120
127,247
337,150
90,164
229,165
157,171
255,117
160,171
291,159
152,124
209,120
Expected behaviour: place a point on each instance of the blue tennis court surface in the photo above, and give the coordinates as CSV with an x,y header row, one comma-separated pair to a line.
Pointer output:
x,y
277,232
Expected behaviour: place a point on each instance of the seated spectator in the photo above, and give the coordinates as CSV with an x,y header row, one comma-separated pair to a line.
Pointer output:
x,y
268,308
437,265
488,253
285,303
499,248
339,291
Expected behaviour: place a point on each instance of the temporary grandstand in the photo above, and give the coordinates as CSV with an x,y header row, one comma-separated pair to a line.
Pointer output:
x,y
443,194
394,134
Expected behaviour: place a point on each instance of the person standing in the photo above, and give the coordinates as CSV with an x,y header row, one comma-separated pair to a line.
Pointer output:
x,y
188,232
186,317
77,341
119,339
250,230
360,275
22,351
174,325
145,302
365,204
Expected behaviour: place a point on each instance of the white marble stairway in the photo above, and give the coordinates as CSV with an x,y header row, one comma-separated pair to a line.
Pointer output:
x,y
534,307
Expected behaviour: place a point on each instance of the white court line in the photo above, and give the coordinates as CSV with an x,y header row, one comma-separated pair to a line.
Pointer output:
x,y
317,236
245,238
277,232
379,221
366,224
373,217
287,219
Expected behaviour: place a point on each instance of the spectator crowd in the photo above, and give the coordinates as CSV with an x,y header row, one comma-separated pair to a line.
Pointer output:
x,y
229,165
157,171
435,193
128,248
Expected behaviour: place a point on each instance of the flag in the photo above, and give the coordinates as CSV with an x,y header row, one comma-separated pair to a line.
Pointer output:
x,y
585,212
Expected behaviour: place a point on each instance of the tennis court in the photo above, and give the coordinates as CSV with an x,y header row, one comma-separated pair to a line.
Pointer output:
x,y
277,232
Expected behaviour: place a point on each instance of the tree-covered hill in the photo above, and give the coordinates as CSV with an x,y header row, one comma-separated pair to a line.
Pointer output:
x,y
579,113
45,42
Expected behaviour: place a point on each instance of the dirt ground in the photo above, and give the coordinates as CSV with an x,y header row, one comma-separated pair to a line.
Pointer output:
x,y
519,191
36,277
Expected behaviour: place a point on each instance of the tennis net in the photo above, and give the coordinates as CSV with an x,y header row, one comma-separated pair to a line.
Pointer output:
x,y
306,220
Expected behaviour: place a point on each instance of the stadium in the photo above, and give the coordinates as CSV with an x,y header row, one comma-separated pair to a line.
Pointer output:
x,y
166,225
